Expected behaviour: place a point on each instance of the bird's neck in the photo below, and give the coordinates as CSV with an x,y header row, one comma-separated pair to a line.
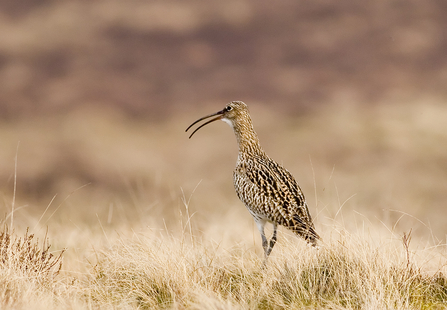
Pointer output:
x,y
247,139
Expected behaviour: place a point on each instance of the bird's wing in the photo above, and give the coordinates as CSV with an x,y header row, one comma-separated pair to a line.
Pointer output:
x,y
282,194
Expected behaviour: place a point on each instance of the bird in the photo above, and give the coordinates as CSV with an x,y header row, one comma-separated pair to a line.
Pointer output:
x,y
269,191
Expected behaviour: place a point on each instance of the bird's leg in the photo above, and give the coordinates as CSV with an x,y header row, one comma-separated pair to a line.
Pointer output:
x,y
272,240
260,224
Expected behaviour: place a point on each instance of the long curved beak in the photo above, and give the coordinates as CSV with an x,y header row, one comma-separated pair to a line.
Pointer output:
x,y
220,116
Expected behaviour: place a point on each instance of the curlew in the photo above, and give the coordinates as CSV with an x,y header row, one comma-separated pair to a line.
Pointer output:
x,y
268,190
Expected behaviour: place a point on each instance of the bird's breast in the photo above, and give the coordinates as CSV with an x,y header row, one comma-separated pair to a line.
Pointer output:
x,y
240,170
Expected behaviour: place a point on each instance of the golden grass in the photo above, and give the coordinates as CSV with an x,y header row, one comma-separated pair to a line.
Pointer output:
x,y
159,225
189,269
349,273
115,191
27,269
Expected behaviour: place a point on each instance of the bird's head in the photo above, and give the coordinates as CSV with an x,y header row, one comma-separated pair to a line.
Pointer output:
x,y
233,113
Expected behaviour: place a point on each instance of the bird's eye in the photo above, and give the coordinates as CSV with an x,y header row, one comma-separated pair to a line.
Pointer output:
x,y
228,108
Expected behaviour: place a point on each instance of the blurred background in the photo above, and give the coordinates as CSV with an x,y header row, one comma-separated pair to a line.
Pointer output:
x,y
350,96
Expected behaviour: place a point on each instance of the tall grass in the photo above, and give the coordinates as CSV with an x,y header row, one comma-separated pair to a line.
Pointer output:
x,y
188,269
27,268
137,242
347,273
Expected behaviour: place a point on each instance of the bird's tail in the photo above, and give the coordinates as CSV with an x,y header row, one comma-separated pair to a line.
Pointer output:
x,y
307,232
311,236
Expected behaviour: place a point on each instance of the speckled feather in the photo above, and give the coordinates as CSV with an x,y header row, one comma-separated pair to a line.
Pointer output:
x,y
268,190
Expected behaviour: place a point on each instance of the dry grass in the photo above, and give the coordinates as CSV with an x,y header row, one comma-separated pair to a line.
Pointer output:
x,y
189,269
348,273
147,233
25,256
98,94
27,269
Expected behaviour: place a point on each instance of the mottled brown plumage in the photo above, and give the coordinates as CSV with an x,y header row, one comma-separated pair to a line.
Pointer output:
x,y
268,190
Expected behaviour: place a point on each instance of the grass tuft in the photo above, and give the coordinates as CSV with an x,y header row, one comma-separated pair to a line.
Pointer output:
x,y
162,275
25,256
27,269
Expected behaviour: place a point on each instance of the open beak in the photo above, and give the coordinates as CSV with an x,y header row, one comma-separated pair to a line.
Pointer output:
x,y
220,116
